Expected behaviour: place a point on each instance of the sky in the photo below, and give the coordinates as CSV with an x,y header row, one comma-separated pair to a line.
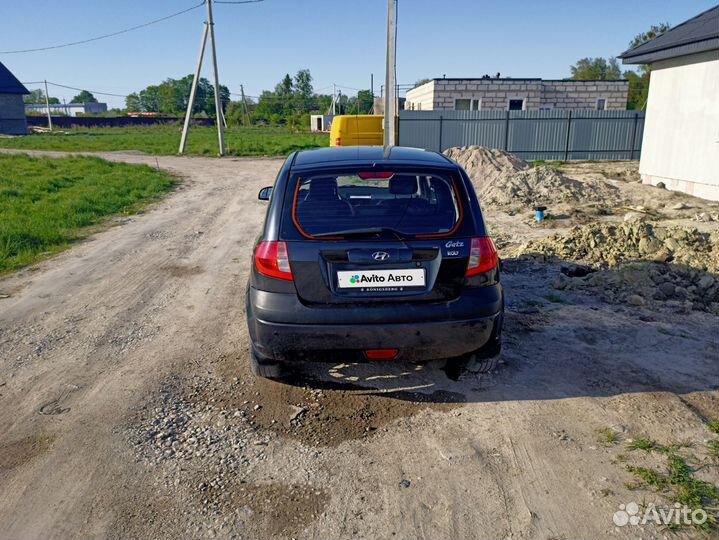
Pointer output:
x,y
340,41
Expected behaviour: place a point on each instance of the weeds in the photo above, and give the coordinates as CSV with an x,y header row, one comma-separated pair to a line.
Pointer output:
x,y
678,483
608,436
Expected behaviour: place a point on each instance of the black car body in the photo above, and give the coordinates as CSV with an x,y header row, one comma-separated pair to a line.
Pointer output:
x,y
375,254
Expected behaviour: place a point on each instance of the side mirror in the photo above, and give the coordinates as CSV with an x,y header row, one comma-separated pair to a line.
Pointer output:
x,y
265,193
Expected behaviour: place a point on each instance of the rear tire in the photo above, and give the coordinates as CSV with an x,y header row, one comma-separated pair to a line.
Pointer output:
x,y
265,369
483,360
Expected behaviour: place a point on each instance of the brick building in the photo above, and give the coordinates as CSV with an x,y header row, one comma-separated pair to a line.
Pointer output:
x,y
517,94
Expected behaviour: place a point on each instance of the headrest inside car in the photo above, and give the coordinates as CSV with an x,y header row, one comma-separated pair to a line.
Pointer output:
x,y
403,185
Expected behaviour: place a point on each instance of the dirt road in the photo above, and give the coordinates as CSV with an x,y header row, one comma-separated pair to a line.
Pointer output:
x,y
127,409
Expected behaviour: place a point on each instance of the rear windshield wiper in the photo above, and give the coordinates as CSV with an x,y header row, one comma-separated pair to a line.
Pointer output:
x,y
363,233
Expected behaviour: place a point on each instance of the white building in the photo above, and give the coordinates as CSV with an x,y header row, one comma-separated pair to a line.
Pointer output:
x,y
68,109
681,132
321,122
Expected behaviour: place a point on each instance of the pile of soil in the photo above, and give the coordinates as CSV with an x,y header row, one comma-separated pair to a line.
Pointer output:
x,y
608,244
485,165
503,180
642,263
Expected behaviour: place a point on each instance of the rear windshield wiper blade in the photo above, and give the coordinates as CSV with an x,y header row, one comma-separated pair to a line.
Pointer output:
x,y
358,233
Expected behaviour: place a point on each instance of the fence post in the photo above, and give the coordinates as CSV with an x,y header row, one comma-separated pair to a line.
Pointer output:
x,y
634,135
569,130
506,132
441,119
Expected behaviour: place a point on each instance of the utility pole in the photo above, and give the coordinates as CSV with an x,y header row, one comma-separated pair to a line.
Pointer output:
x,y
246,116
218,98
193,91
334,98
390,88
47,104
209,30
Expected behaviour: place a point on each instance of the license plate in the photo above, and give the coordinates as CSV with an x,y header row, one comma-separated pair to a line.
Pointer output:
x,y
376,279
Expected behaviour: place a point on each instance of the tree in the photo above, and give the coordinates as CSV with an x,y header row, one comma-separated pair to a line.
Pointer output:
x,y
420,82
172,96
37,97
132,103
654,31
639,82
596,69
303,90
84,97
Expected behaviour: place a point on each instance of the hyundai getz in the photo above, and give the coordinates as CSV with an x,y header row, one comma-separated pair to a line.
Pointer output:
x,y
373,254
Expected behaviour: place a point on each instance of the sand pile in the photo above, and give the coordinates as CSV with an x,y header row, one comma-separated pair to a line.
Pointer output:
x,y
485,165
503,180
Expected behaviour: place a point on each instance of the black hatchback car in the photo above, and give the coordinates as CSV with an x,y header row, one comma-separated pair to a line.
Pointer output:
x,y
374,254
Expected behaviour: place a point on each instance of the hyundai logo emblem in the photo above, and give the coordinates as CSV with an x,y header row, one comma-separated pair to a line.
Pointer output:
x,y
380,255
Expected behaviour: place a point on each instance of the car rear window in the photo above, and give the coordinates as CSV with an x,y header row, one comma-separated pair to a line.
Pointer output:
x,y
411,204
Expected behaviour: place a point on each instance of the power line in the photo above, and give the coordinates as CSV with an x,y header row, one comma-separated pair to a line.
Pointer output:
x,y
77,89
105,36
237,2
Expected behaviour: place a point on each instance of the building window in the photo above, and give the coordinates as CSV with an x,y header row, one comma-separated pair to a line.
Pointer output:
x,y
516,104
601,104
461,104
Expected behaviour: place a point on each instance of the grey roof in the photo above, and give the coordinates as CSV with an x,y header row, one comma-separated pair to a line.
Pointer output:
x,y
9,83
698,34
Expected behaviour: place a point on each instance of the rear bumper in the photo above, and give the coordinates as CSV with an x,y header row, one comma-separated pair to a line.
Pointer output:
x,y
426,332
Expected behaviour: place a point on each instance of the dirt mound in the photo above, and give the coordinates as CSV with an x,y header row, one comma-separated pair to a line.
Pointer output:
x,y
484,165
504,180
610,244
646,263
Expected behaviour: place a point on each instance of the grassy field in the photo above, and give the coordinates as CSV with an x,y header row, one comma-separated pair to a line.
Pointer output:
x,y
165,140
46,204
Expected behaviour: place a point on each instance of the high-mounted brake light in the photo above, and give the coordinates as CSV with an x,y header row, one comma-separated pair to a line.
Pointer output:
x,y
375,175
482,256
272,260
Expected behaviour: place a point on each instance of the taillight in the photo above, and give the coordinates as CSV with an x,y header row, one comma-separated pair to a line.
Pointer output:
x,y
272,260
338,141
482,256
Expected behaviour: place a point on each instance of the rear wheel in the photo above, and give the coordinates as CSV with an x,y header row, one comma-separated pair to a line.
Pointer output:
x,y
264,368
483,360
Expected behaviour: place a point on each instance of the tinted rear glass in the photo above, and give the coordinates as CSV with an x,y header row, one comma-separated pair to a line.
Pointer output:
x,y
411,204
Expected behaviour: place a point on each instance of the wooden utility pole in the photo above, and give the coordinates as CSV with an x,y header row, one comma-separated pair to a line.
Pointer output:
x,y
390,88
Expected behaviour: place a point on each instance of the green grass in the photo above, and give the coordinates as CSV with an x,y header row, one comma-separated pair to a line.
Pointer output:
x,y
46,204
165,140
608,436
678,482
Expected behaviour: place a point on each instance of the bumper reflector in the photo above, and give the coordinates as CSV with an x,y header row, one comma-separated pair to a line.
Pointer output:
x,y
381,354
